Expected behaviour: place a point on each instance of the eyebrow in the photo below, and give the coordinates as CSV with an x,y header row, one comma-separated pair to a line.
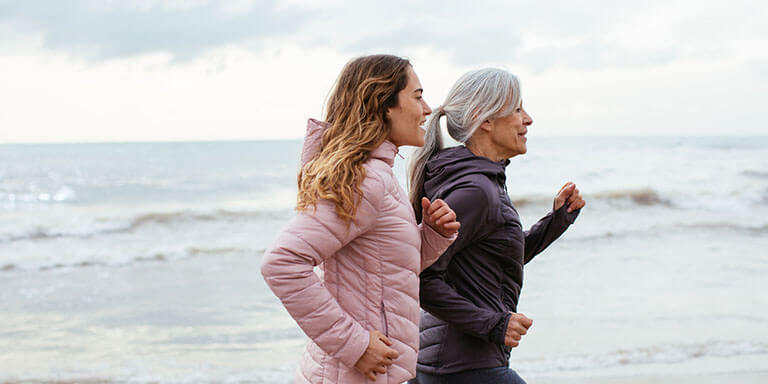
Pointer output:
x,y
418,90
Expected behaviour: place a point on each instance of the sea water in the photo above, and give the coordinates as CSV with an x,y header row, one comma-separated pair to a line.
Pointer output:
x,y
139,262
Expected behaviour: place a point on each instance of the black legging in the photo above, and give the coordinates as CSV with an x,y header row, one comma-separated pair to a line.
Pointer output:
x,y
499,375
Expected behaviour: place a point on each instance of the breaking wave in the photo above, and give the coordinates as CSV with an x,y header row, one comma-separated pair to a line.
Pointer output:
x,y
108,226
642,197
152,258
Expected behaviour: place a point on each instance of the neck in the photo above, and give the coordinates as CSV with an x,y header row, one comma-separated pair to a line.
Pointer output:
x,y
486,151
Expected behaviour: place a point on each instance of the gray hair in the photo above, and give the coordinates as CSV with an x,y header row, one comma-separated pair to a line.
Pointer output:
x,y
477,96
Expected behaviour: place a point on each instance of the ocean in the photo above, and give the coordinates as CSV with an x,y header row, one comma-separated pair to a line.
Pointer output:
x,y
139,262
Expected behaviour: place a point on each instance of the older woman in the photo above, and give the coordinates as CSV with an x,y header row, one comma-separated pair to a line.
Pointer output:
x,y
470,294
355,222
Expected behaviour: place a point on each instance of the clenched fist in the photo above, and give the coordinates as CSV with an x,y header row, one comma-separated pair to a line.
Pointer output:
x,y
439,216
377,357
569,195
516,327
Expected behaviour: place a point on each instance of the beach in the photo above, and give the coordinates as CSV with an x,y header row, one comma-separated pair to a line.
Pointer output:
x,y
139,263
736,378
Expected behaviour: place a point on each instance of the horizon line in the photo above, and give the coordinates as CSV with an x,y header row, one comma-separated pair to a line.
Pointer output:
x,y
250,140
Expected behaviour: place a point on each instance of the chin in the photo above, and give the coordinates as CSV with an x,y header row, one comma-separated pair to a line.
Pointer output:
x,y
417,143
519,152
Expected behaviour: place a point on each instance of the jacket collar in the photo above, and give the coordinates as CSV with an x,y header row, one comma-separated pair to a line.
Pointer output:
x,y
386,152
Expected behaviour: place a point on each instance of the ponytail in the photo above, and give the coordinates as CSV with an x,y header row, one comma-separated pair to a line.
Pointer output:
x,y
433,143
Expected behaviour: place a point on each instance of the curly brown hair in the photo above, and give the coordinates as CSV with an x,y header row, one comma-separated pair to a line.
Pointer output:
x,y
356,113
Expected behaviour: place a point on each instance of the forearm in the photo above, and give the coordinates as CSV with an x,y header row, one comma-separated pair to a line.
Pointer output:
x,y
509,295
433,245
547,230
441,300
289,274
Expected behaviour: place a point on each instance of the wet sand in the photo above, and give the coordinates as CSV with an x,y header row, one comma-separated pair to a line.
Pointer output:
x,y
730,378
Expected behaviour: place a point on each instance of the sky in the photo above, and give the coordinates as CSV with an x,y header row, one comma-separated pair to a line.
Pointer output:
x,y
199,70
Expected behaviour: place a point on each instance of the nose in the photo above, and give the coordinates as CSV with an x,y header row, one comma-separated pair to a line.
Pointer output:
x,y
527,119
427,109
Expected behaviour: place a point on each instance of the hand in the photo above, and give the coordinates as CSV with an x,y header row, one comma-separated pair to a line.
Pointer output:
x,y
439,216
571,196
377,357
517,327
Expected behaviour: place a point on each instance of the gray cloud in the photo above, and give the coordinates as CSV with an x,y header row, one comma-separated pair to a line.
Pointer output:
x,y
465,45
486,32
597,53
573,34
102,32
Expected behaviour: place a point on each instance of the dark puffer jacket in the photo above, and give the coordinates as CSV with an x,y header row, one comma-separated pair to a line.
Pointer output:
x,y
469,292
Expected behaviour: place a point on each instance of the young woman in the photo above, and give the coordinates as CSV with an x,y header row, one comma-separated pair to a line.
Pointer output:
x,y
470,294
356,223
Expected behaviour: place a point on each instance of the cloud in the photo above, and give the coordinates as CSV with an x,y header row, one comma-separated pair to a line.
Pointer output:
x,y
104,30
464,45
596,54
485,32
587,36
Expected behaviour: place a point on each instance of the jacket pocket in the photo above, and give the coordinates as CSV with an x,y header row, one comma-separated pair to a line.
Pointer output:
x,y
384,320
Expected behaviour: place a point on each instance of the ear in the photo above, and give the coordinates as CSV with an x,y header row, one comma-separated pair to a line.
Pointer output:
x,y
486,126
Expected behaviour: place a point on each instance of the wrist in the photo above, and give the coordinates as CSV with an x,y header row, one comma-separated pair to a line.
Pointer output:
x,y
500,331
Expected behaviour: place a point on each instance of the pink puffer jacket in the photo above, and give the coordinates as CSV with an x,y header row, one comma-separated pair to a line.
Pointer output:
x,y
370,276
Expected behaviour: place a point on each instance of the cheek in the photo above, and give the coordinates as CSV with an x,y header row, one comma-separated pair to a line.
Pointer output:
x,y
418,111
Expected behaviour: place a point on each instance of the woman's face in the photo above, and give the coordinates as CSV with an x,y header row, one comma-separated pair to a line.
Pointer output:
x,y
508,132
410,113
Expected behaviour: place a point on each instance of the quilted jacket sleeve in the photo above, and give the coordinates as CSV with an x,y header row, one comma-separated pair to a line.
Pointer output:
x,y
433,245
547,230
310,238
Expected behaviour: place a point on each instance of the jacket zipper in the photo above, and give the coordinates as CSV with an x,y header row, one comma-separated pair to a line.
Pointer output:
x,y
384,318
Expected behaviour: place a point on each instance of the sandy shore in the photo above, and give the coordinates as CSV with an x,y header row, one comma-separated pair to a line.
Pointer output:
x,y
730,378
735,378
